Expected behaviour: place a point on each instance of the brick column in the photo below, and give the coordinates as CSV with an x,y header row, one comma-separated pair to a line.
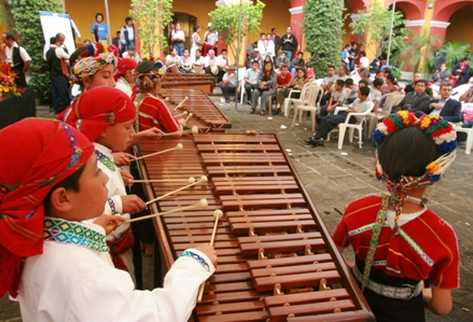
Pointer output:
x,y
297,20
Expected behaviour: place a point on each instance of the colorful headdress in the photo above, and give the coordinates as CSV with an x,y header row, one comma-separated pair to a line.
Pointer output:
x,y
99,108
89,66
36,155
124,66
441,132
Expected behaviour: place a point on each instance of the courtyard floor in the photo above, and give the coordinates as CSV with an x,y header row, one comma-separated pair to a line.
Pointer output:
x,y
333,178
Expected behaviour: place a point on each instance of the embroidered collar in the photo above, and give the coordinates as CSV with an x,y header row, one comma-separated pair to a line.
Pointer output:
x,y
104,157
68,232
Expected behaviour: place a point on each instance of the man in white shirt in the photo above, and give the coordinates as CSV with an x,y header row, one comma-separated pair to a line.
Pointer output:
x,y
210,63
18,58
127,35
178,37
222,59
198,63
251,78
210,40
186,62
364,61
132,54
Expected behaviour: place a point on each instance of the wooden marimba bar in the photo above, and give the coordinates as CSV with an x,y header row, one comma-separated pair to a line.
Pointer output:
x,y
276,261
206,115
202,82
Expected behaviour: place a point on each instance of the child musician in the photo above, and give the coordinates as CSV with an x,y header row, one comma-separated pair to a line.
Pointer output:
x,y
152,111
398,242
105,115
53,259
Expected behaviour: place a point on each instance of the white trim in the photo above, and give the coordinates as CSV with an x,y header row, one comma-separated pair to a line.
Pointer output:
x,y
296,10
357,16
433,23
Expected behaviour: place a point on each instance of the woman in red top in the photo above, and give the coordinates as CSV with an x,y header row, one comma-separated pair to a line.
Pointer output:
x,y
400,245
152,110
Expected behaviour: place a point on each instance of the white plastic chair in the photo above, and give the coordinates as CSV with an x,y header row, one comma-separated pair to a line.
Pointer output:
x,y
309,102
290,100
242,90
361,119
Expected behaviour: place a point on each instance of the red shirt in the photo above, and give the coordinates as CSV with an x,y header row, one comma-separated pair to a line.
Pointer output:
x,y
283,80
153,112
425,248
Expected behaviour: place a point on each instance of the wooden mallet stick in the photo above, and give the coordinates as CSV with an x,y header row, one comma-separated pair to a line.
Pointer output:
x,y
187,119
178,106
179,146
217,214
192,182
202,203
184,114
193,130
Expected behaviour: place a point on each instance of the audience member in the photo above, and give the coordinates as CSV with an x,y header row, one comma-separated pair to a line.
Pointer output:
x,y
266,87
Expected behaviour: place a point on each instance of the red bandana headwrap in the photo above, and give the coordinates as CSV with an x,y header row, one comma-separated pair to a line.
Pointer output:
x,y
124,66
35,155
99,108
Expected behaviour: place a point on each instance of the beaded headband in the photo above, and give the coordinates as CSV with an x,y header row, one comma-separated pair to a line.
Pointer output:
x,y
441,132
89,66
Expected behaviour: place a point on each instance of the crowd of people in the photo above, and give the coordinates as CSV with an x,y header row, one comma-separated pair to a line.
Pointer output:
x,y
63,259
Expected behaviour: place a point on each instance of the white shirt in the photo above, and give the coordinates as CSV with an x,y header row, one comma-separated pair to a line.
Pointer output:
x,y
172,60
135,57
61,53
199,61
222,61
364,62
116,189
123,85
9,54
131,34
211,37
208,61
178,35
71,283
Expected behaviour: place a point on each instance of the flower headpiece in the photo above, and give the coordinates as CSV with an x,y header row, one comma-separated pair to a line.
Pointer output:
x,y
89,66
441,132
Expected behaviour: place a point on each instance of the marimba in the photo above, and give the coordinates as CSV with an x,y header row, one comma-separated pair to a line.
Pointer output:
x,y
202,82
205,114
276,261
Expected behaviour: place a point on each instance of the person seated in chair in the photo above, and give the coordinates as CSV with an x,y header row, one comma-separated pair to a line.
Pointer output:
x,y
283,80
228,84
336,98
447,107
417,101
331,121
351,90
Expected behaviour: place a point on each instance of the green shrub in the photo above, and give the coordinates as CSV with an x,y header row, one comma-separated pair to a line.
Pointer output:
x,y
323,22
28,27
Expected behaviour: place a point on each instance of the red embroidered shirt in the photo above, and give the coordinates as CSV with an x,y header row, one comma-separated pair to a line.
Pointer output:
x,y
283,80
426,247
153,112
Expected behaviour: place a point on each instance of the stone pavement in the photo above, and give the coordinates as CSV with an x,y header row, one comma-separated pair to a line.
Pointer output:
x,y
332,179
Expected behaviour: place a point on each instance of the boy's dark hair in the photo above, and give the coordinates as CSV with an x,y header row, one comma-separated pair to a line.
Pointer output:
x,y
421,81
340,82
407,152
349,82
331,66
70,183
364,82
378,82
98,14
10,36
365,91
391,78
128,19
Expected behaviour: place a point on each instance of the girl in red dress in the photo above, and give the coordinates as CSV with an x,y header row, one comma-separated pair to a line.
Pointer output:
x,y
406,254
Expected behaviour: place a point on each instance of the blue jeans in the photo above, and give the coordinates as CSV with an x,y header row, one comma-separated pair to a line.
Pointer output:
x,y
179,48
288,54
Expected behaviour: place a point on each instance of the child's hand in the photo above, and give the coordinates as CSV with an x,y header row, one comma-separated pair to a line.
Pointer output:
x,y
122,158
127,177
151,133
209,251
132,204
109,222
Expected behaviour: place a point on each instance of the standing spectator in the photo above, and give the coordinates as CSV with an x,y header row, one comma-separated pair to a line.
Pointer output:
x,y
18,58
276,39
345,55
263,45
364,61
178,38
210,40
116,39
271,51
127,35
289,43
251,79
57,58
196,41
266,87
228,84
297,62
448,108
99,28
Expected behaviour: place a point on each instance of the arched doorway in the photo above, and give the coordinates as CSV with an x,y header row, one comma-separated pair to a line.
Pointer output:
x,y
461,26
351,12
188,23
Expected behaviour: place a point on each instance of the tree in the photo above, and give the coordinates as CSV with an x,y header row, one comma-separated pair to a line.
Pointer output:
x,y
152,17
376,22
323,21
229,17
454,51
28,27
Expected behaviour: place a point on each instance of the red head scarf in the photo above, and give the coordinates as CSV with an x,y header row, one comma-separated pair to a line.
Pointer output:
x,y
99,108
35,155
124,66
